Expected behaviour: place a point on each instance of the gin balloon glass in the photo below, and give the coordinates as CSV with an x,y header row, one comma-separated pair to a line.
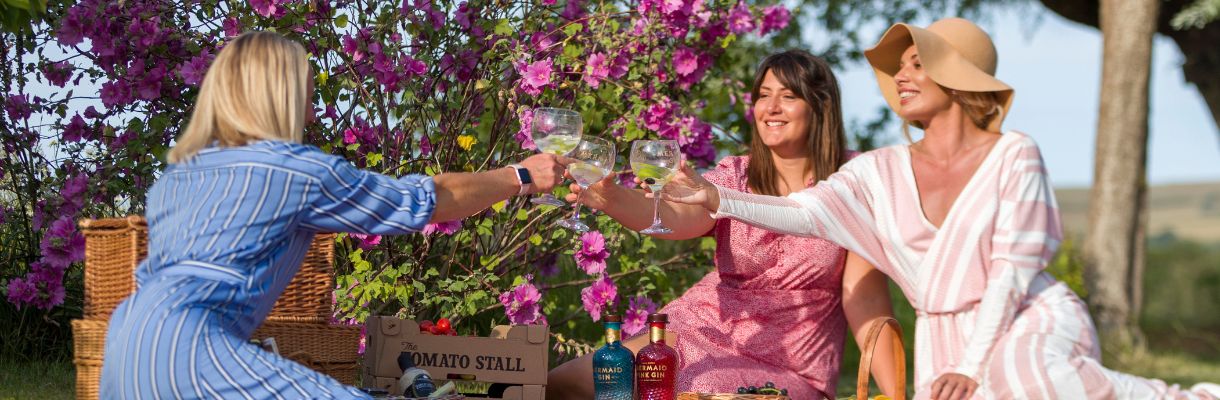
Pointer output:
x,y
555,131
594,159
655,162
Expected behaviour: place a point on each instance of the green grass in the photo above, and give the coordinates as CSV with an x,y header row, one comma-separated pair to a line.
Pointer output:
x,y
37,380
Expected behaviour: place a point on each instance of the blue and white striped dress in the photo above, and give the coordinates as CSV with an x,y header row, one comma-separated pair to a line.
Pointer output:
x,y
227,231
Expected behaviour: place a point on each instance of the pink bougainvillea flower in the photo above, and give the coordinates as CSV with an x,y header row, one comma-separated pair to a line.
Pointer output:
x,y
637,315
522,303
600,294
774,18
596,70
592,254
523,137
366,241
447,228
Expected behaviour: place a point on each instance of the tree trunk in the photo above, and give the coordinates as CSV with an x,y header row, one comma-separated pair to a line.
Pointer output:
x,y
1113,249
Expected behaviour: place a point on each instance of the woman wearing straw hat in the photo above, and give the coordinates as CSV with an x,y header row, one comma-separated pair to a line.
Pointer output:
x,y
963,220
232,217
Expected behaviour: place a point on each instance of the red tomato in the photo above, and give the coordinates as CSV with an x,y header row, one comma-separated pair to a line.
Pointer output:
x,y
444,326
426,326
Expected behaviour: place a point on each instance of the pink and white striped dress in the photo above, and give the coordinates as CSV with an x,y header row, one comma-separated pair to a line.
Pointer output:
x,y
986,309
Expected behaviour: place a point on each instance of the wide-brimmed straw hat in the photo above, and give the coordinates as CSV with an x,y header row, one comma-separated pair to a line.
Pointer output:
x,y
956,54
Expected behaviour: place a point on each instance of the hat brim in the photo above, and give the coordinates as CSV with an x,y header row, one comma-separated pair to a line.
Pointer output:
x,y
942,62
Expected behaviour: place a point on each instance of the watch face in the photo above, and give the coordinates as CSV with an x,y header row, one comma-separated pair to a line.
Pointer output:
x,y
524,175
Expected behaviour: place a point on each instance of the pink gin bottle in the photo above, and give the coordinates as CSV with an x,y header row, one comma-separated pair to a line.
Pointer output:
x,y
656,365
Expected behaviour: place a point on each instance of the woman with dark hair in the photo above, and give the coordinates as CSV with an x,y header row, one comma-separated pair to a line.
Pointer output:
x,y
963,220
770,311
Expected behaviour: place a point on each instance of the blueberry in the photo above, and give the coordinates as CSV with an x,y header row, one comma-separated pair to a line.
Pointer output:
x,y
770,384
753,390
783,392
741,390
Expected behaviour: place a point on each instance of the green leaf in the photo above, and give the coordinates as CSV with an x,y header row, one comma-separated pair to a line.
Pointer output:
x,y
372,159
523,215
573,51
573,29
535,239
341,21
503,29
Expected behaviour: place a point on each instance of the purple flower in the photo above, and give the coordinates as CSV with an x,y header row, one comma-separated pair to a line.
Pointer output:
x,y
193,71
600,294
447,227
366,241
621,64
462,15
71,29
268,8
575,9
352,48
637,315
597,70
685,61
76,130
592,254
58,73
62,244
18,107
536,76
232,26
523,137
349,136
740,19
774,18
548,265
548,2
425,146
21,291
73,191
115,94
627,179
521,304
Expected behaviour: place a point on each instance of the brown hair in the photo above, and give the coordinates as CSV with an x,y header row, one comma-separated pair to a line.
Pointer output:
x,y
980,107
811,79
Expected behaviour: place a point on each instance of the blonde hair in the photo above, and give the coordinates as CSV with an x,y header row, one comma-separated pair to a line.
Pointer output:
x,y
980,107
256,89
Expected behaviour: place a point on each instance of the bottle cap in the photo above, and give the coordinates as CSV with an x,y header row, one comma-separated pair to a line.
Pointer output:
x,y
612,318
658,317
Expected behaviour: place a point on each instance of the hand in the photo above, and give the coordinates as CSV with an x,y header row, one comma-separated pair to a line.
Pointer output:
x,y
687,187
597,195
546,170
953,386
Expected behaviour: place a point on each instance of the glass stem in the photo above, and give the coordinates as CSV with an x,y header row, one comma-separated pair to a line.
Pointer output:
x,y
576,206
656,207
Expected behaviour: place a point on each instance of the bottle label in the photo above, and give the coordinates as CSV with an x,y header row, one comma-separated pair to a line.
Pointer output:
x,y
422,386
656,334
651,372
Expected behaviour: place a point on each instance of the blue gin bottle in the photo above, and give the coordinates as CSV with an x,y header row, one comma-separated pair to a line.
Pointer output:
x,y
613,365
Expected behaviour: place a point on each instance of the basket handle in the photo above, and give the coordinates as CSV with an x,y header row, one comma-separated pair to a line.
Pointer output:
x,y
866,358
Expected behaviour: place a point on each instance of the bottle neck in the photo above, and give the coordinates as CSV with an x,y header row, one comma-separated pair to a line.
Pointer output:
x,y
613,334
656,332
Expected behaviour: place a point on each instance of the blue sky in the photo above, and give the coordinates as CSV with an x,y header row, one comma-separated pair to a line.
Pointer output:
x,y
1055,66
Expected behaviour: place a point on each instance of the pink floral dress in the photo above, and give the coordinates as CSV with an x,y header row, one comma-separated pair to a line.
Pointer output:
x,y
771,311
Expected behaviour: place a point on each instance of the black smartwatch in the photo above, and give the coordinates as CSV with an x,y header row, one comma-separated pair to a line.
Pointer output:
x,y
523,178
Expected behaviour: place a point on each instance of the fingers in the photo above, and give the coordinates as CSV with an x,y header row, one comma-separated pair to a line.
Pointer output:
x,y
564,161
959,391
937,386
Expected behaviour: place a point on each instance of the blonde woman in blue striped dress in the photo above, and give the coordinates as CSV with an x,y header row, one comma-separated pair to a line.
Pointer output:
x,y
232,217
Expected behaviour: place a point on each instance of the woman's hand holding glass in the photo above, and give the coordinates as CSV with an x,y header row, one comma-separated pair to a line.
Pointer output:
x,y
592,161
687,187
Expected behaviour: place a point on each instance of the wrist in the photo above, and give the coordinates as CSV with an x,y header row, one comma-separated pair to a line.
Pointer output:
x,y
713,197
521,178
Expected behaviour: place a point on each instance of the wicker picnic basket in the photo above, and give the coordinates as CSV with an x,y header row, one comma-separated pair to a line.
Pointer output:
x,y
862,376
299,321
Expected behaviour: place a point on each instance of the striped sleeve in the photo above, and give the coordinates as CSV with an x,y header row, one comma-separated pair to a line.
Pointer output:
x,y
1028,232
348,199
836,209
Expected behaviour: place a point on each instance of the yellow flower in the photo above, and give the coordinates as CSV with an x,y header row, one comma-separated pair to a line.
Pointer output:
x,y
466,141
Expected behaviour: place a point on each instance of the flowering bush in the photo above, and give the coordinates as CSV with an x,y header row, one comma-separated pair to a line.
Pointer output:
x,y
95,96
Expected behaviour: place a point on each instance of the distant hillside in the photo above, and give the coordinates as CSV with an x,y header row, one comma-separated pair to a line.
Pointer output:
x,y
1188,211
